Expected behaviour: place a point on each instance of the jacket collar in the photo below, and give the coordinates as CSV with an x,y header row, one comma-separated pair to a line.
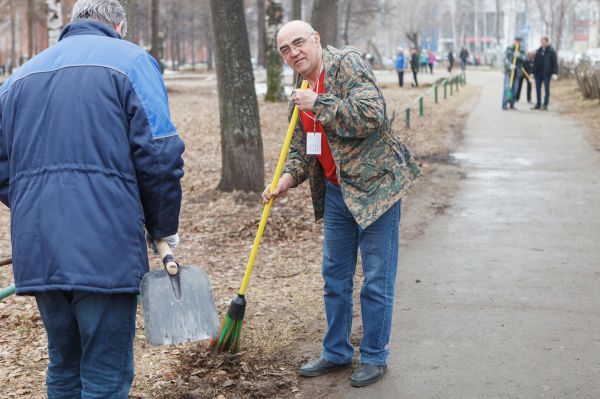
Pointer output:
x,y
88,27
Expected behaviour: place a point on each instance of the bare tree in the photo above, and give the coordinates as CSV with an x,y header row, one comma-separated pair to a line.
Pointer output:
x,y
274,13
242,166
13,36
155,44
325,20
131,25
297,9
261,58
55,23
554,14
30,27
347,15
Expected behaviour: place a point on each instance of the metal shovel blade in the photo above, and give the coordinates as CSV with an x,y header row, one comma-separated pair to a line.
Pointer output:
x,y
178,308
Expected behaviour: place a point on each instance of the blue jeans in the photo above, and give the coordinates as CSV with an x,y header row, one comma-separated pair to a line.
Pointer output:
x,y
515,90
378,245
90,343
538,89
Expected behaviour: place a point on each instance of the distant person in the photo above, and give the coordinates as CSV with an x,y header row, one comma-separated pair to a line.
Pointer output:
x,y
89,156
414,66
431,60
450,61
514,56
400,66
527,70
423,61
464,58
545,67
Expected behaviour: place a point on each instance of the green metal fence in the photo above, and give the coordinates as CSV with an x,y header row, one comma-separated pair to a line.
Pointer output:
x,y
450,84
454,82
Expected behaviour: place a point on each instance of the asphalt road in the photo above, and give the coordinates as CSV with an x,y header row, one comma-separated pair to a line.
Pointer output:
x,y
508,303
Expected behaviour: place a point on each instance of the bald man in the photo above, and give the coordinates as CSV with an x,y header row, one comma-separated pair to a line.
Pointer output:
x,y
358,171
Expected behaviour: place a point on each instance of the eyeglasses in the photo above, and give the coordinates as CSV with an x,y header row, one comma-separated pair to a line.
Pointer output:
x,y
296,44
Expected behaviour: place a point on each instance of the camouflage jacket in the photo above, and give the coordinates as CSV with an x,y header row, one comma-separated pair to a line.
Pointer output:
x,y
374,167
509,55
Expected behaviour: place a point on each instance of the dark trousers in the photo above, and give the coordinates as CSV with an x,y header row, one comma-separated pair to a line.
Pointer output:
x,y
415,83
521,87
90,343
538,89
401,78
431,69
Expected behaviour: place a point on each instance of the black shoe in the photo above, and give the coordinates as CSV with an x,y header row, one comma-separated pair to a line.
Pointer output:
x,y
367,374
319,367
544,108
537,107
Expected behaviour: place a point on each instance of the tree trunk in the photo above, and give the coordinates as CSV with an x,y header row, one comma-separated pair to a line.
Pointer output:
x,y
325,21
498,21
208,40
347,22
131,28
155,42
30,12
193,32
55,23
261,57
13,38
296,9
242,164
274,14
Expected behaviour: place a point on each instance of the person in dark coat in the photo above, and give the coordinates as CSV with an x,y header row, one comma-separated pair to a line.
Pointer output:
x,y
545,67
526,76
450,61
89,156
464,58
415,63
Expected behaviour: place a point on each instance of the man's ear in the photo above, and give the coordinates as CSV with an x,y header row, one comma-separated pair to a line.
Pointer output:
x,y
119,27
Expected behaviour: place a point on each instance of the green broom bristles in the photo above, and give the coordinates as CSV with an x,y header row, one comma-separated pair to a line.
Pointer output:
x,y
231,327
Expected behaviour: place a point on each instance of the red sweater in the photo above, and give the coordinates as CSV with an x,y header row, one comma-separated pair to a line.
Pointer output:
x,y
311,125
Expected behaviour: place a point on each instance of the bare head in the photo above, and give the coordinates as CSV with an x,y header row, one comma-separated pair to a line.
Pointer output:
x,y
545,41
109,12
300,47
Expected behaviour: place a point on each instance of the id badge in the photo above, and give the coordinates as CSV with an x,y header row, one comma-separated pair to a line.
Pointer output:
x,y
313,143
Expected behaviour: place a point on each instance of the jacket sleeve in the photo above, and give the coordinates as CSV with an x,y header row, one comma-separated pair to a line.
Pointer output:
x,y
296,163
554,64
361,112
156,148
508,56
4,165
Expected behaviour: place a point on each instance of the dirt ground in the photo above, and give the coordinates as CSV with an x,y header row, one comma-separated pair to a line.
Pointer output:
x,y
572,102
285,318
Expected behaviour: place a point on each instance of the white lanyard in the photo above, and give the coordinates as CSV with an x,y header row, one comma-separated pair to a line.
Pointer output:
x,y
316,90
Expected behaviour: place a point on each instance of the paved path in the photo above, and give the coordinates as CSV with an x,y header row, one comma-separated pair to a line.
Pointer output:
x,y
509,300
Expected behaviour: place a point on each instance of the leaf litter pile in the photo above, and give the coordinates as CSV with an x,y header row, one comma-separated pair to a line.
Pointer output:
x,y
284,319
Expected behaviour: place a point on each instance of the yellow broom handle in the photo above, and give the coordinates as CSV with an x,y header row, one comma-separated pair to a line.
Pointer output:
x,y
512,73
267,208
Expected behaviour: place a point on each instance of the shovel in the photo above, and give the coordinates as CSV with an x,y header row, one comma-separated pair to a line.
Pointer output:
x,y
177,302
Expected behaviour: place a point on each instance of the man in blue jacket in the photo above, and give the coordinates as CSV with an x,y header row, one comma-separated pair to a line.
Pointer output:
x,y
88,157
400,66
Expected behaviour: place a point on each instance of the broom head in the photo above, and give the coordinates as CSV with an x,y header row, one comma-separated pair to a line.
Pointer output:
x,y
231,327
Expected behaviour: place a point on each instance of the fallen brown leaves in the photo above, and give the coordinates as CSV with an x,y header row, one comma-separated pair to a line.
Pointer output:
x,y
284,321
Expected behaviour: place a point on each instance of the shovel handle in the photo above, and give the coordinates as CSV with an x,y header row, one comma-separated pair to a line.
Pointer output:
x,y
164,250
4,262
